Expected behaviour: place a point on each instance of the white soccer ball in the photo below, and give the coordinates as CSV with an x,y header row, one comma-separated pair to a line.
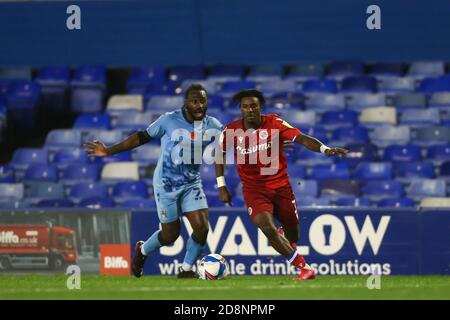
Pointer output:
x,y
213,267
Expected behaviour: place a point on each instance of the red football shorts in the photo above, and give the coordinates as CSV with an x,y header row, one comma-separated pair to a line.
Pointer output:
x,y
280,202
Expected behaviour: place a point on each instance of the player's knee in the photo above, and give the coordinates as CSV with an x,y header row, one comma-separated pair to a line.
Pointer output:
x,y
269,231
168,238
201,233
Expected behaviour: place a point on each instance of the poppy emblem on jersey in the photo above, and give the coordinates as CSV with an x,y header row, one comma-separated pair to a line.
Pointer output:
x,y
192,135
250,210
263,134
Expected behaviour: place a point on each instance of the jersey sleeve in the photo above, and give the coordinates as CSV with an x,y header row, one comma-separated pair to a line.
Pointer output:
x,y
157,128
287,132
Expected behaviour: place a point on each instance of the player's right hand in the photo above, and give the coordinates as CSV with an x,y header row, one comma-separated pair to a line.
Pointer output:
x,y
225,195
95,148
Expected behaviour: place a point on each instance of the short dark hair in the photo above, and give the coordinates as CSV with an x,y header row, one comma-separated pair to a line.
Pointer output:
x,y
249,93
193,87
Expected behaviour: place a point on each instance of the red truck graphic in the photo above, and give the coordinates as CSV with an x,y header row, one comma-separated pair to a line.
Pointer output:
x,y
36,246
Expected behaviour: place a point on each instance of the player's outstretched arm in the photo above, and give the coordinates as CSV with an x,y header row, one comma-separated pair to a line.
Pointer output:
x,y
98,149
315,145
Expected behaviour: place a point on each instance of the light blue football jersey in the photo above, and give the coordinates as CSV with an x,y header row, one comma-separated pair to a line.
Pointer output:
x,y
184,142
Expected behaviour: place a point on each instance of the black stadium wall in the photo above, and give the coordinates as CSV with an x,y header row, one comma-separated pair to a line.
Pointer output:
x,y
123,33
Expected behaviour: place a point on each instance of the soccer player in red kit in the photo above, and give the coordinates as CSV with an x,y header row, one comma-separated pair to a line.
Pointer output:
x,y
262,167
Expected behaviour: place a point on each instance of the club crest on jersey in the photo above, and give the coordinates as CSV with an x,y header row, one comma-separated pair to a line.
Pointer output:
x,y
250,210
263,134
240,139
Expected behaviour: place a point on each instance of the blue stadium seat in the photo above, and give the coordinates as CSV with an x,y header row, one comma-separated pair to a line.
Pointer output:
x,y
419,189
164,103
440,100
321,102
426,69
312,202
359,101
396,203
41,172
376,190
108,137
96,203
410,101
54,203
302,72
295,99
358,152
156,89
304,188
130,190
11,191
431,135
343,136
88,189
329,171
438,153
359,84
210,85
433,85
224,117
227,72
181,73
317,132
37,191
23,157
147,154
75,173
7,174
229,88
65,156
387,135
373,171
141,77
123,156
396,84
407,170
215,102
54,82
296,171
138,204
420,118
300,118
272,87
333,189
133,120
88,89
402,153
93,121
319,85
309,158
352,202
339,119
22,100
63,138
265,73
444,170
387,70
340,69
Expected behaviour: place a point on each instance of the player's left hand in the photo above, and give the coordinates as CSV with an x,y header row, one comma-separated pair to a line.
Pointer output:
x,y
336,152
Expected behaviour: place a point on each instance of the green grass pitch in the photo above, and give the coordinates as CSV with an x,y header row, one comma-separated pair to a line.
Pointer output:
x,y
236,287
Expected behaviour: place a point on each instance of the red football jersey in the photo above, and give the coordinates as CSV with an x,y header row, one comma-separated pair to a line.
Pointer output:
x,y
253,149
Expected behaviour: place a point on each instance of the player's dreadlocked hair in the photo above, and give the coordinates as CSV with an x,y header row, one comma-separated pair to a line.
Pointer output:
x,y
193,87
249,93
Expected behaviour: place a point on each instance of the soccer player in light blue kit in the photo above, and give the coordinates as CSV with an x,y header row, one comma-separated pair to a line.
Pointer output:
x,y
177,186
